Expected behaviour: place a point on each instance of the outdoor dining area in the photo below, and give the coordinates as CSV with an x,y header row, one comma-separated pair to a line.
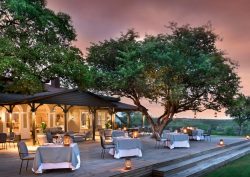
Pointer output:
x,y
60,151
180,138
85,158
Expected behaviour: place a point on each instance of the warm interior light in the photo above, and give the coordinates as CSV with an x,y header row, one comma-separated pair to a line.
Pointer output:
x,y
128,164
125,128
248,137
66,140
184,130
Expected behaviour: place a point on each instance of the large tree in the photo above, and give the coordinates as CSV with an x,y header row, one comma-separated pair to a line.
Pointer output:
x,y
182,71
240,111
36,46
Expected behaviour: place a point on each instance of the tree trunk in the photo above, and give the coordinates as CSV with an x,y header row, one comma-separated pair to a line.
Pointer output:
x,y
161,122
158,126
240,130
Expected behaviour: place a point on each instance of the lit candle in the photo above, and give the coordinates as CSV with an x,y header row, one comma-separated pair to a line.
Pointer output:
x,y
128,164
66,140
135,134
221,143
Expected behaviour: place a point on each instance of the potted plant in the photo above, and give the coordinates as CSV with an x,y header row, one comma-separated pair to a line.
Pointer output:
x,y
41,137
108,124
43,127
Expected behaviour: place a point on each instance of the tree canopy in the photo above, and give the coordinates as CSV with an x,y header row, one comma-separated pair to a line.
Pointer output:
x,y
36,46
239,110
182,70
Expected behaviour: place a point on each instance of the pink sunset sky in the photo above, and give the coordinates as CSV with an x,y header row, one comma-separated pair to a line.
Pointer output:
x,y
96,20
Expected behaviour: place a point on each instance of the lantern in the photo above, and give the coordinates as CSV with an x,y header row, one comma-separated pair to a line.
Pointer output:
x,y
185,130
128,164
221,142
125,128
66,140
247,137
135,134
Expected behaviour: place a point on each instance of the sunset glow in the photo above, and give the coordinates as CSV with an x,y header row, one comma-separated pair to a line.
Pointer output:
x,y
96,20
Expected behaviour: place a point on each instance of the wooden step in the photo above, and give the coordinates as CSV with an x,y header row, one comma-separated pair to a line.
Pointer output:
x,y
181,159
190,164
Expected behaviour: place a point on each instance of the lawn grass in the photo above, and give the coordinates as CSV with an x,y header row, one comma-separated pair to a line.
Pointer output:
x,y
237,168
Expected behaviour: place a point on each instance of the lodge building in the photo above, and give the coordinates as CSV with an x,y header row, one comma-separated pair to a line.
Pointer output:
x,y
70,109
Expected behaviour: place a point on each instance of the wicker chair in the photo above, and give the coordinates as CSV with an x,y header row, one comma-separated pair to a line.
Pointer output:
x,y
24,154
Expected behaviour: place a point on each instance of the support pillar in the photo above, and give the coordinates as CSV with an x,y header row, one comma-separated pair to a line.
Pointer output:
x,y
128,119
33,118
112,115
65,109
34,108
93,112
10,110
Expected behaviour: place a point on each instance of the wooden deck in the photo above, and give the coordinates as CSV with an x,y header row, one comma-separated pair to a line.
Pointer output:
x,y
93,165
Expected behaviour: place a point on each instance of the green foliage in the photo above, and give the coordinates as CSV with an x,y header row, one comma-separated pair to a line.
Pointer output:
x,y
35,46
108,124
43,126
182,71
239,110
135,121
218,126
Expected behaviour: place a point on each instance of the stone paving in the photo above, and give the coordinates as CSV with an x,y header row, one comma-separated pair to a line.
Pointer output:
x,y
93,165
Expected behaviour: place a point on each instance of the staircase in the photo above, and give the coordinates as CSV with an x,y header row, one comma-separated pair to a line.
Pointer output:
x,y
201,163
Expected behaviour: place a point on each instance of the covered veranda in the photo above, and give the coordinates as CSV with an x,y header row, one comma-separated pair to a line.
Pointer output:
x,y
78,110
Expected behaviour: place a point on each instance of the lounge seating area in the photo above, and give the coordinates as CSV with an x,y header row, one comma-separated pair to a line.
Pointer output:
x,y
54,134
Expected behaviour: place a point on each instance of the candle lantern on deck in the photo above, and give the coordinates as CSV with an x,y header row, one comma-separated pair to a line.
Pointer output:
x,y
221,142
128,164
135,134
66,140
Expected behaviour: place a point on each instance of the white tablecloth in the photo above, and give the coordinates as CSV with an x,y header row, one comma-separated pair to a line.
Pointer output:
x,y
126,147
177,140
54,156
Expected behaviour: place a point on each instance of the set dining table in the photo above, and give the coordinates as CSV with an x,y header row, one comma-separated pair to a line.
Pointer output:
x,y
176,140
125,146
56,156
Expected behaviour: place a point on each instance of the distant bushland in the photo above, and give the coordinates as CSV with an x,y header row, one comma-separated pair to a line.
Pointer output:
x,y
218,126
